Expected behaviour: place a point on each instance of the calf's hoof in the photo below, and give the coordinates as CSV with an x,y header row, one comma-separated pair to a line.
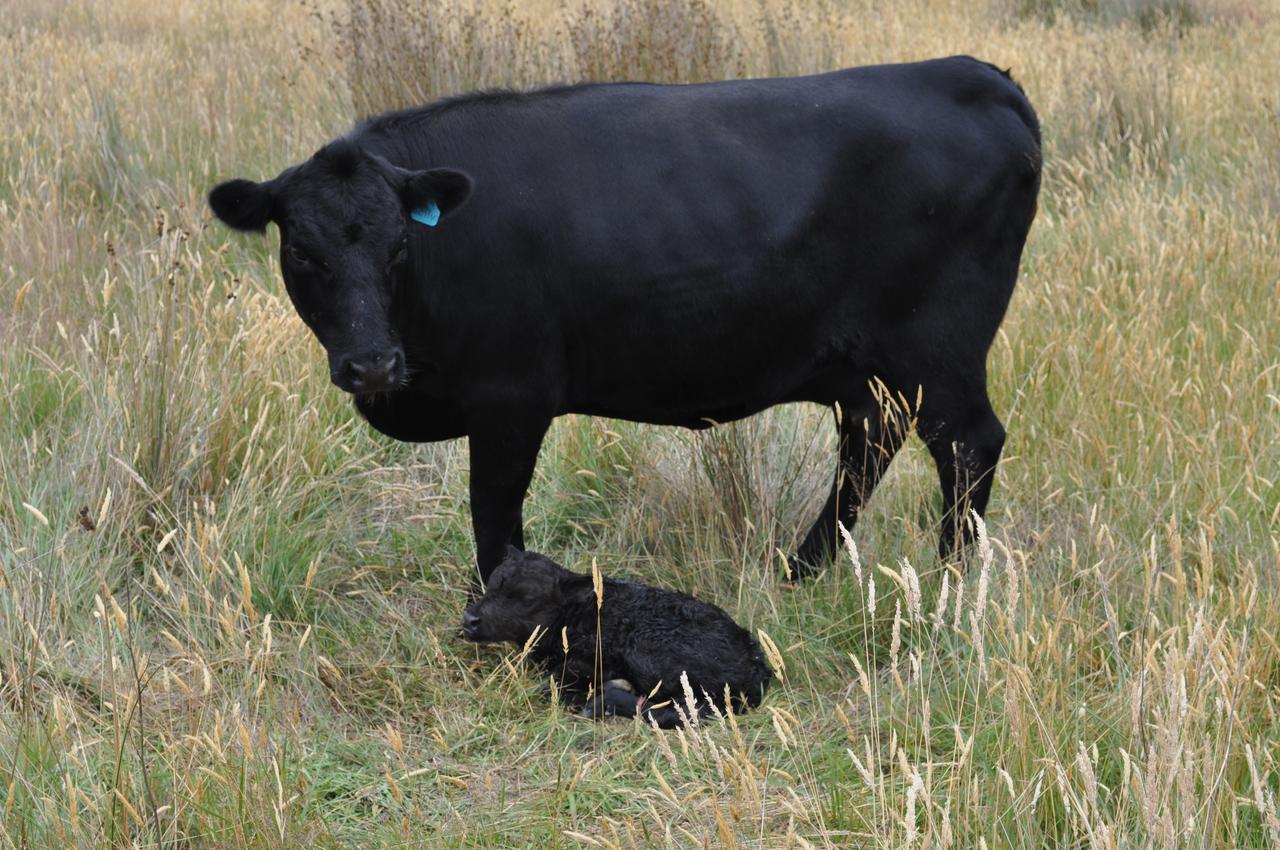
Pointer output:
x,y
616,698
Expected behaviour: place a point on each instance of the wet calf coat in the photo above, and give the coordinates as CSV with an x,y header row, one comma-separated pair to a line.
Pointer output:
x,y
641,638
679,255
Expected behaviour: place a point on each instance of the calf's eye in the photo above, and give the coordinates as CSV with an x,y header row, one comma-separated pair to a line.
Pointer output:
x,y
297,257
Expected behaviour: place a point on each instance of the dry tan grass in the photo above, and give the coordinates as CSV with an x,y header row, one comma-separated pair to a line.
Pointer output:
x,y
253,646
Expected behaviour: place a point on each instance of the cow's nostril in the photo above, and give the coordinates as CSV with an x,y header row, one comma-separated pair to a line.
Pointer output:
x,y
470,621
371,371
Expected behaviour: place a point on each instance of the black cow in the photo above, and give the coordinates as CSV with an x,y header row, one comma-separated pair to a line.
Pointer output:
x,y
681,255
632,654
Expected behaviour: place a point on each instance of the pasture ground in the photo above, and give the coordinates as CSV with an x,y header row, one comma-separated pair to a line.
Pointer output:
x,y
228,610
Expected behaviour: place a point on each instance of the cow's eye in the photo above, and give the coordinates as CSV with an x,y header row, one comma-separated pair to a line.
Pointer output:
x,y
297,257
402,252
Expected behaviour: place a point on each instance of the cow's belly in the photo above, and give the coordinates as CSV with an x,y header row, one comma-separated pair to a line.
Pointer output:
x,y
701,372
671,399
719,338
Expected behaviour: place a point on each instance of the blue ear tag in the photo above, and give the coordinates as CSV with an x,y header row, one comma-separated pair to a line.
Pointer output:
x,y
428,215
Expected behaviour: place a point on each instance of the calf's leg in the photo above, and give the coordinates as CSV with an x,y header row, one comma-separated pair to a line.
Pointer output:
x,y
611,700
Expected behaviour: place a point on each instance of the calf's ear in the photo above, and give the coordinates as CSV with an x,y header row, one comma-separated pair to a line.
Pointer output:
x,y
242,204
575,589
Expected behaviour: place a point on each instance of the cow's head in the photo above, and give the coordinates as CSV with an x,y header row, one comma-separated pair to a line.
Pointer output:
x,y
346,218
526,592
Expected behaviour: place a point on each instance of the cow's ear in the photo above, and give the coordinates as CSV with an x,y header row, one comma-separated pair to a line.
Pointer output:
x,y
512,552
574,589
445,188
242,204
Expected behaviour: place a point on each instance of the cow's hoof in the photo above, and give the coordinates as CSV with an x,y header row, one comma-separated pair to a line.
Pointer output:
x,y
797,569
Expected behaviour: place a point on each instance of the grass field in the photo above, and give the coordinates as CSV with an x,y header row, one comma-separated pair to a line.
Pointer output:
x,y
228,609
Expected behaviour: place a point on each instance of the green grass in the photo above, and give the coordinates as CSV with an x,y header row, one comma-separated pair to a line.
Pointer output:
x,y
255,646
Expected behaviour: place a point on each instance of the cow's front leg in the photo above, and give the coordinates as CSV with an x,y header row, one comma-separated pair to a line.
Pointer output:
x,y
504,450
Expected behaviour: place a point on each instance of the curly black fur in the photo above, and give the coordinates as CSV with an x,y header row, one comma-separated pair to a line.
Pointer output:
x,y
641,637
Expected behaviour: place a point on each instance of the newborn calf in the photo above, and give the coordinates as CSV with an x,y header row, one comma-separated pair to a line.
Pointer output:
x,y
647,638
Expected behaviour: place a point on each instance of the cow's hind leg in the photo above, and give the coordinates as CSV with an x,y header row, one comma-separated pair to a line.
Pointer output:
x,y
867,445
965,442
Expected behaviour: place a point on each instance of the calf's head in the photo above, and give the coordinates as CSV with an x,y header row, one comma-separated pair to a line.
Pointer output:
x,y
346,219
526,592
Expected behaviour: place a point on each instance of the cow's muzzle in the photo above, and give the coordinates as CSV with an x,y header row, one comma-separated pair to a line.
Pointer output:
x,y
371,372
